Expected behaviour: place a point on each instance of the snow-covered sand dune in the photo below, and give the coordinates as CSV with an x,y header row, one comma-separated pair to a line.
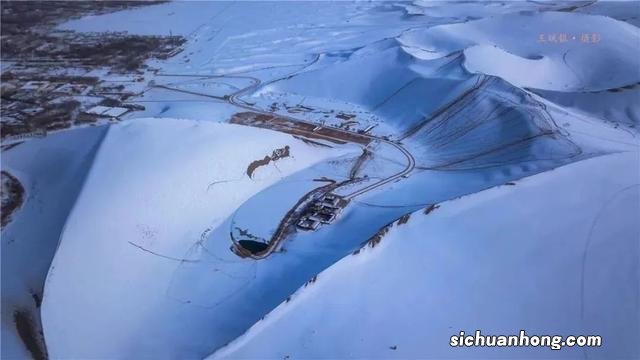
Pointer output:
x,y
155,189
480,262
383,78
545,51
493,124
407,78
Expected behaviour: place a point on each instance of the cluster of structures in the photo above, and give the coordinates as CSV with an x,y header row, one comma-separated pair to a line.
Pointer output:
x,y
323,210
53,79
34,104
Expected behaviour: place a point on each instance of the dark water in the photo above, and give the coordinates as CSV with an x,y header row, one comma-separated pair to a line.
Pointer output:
x,y
253,246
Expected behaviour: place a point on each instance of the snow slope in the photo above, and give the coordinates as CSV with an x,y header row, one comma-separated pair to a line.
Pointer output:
x,y
156,187
555,254
494,124
52,171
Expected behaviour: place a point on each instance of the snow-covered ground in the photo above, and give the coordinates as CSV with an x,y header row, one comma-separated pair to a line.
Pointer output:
x,y
457,99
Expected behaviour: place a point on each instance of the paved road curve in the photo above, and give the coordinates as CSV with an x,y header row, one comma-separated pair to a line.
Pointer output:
x,y
233,99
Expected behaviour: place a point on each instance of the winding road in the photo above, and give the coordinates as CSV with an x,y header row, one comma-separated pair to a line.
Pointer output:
x,y
288,219
233,99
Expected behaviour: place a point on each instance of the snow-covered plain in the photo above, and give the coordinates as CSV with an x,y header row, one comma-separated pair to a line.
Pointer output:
x,y
468,89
